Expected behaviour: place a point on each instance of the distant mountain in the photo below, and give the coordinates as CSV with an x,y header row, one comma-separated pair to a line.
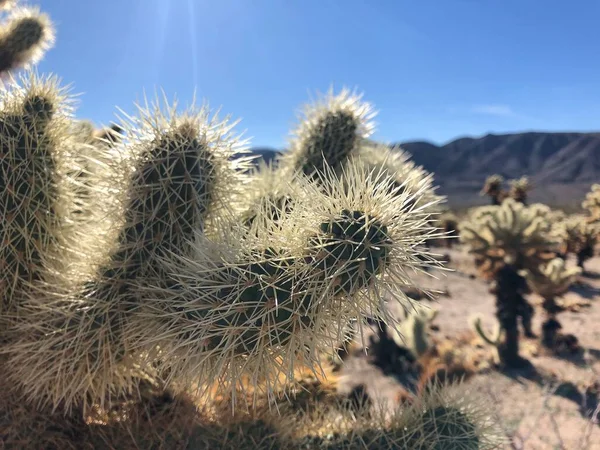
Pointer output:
x,y
562,166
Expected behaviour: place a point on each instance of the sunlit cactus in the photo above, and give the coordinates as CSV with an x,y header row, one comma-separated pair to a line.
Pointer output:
x,y
331,129
577,236
134,255
286,290
78,345
506,239
36,155
519,190
493,189
412,332
445,417
592,203
268,196
408,177
24,38
550,281
514,232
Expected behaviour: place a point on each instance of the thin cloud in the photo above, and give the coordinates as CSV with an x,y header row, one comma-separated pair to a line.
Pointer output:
x,y
494,110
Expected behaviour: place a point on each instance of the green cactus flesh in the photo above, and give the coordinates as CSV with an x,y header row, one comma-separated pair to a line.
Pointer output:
x,y
357,243
28,181
330,142
168,197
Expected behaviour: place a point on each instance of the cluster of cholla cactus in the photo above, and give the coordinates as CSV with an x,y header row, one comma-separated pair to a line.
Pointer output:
x,y
506,239
551,281
146,261
493,189
518,191
592,203
578,236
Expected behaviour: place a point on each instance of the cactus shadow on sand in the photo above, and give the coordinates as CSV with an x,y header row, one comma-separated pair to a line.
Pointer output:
x,y
585,290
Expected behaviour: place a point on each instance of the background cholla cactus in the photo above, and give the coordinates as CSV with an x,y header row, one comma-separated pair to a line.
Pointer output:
x,y
550,281
577,236
448,222
493,189
510,232
592,203
25,36
519,189
506,239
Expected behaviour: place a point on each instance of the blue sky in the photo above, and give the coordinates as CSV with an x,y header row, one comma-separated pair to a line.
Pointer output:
x,y
435,69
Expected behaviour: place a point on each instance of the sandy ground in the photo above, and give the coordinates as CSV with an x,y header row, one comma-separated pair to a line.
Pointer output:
x,y
547,406
525,402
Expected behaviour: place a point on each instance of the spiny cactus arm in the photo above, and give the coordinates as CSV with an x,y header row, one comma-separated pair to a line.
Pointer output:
x,y
35,145
412,331
266,299
269,194
330,130
25,38
445,416
494,340
552,279
520,188
511,230
408,177
81,345
492,185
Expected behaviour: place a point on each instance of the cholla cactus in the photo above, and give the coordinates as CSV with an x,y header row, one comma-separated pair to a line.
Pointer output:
x,y
510,232
550,281
407,176
331,129
412,332
75,341
286,291
506,239
125,262
443,417
493,189
24,38
36,228
577,236
519,189
592,203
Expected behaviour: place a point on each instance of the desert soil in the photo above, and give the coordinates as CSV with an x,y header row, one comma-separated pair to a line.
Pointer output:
x,y
543,407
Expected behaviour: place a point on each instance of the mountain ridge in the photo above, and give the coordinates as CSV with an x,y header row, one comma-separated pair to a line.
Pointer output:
x,y
561,165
